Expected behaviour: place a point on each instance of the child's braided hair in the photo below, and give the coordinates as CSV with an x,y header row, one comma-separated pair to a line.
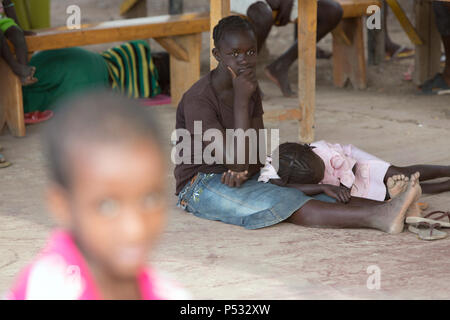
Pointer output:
x,y
228,24
299,164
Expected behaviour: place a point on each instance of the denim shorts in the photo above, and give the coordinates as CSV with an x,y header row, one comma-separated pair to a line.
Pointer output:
x,y
253,205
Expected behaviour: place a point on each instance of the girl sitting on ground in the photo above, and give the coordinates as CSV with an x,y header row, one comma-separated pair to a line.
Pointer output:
x,y
228,98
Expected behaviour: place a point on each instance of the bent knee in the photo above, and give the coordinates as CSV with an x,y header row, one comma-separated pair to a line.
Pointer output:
x,y
15,32
330,10
260,14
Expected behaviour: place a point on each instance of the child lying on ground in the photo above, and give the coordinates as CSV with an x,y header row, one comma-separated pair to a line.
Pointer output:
x,y
108,178
344,171
9,29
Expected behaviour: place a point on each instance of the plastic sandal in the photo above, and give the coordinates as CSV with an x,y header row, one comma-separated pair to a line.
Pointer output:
x,y
430,219
38,116
429,232
435,86
402,53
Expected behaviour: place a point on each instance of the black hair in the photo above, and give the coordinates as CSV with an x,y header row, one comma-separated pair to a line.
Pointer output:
x,y
93,118
228,24
299,164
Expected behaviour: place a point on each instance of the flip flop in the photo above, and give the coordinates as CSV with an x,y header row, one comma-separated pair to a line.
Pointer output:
x,y
3,162
401,53
37,116
435,86
428,232
430,219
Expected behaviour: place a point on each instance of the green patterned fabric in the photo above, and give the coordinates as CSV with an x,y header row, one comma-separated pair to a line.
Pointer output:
x,y
131,69
61,73
127,68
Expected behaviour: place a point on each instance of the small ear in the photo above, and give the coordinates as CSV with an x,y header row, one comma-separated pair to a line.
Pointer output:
x,y
216,54
59,205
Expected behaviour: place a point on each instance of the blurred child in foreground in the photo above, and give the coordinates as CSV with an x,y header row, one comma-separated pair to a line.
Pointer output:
x,y
107,194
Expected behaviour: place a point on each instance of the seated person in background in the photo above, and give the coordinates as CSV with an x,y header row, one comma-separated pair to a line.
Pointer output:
x,y
329,14
64,72
440,83
10,30
109,217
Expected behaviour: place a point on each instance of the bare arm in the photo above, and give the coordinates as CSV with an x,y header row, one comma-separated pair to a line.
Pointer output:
x,y
340,193
10,11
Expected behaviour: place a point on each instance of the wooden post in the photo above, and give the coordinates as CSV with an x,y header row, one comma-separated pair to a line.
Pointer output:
x,y
218,9
427,55
375,42
11,104
349,61
307,33
183,74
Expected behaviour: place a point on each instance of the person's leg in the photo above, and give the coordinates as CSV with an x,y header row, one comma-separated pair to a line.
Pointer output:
x,y
442,13
23,71
427,172
446,73
384,216
329,14
390,47
16,36
260,16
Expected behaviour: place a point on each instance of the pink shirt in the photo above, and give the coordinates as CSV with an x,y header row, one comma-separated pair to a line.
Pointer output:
x,y
60,272
367,181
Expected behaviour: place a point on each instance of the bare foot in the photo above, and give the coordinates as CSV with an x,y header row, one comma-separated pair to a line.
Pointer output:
x,y
280,78
391,215
27,76
398,184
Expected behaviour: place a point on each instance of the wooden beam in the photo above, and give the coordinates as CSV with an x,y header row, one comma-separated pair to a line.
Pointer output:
x,y
282,115
11,104
128,5
183,74
119,30
307,32
218,9
357,8
173,48
404,22
139,10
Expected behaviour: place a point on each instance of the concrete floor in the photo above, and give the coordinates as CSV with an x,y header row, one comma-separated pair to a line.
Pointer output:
x,y
218,261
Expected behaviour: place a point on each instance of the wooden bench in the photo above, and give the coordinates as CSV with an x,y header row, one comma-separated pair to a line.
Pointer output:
x,y
180,35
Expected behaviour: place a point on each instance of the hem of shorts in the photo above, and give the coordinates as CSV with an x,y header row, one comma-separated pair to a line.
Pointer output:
x,y
277,220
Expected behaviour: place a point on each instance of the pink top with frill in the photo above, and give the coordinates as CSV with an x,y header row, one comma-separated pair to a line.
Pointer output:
x,y
60,272
368,179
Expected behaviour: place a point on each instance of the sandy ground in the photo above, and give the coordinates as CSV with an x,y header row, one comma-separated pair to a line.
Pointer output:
x,y
217,261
